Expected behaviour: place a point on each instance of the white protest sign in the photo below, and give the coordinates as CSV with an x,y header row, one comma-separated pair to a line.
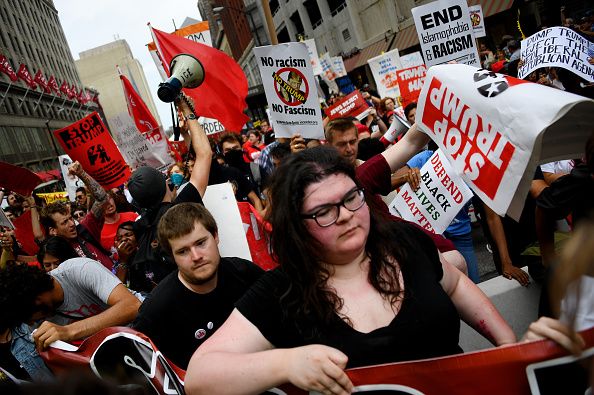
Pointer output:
x,y
211,125
441,195
219,199
478,22
411,60
290,89
556,47
72,182
384,68
312,51
338,66
327,69
481,122
445,32
149,149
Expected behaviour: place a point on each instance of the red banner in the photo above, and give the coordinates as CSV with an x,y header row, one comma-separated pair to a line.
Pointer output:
x,y
351,105
53,84
24,233
18,179
40,79
258,236
410,82
24,75
65,89
7,69
144,120
89,142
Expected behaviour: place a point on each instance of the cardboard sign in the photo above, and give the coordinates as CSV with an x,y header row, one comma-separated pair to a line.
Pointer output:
x,y
290,88
556,47
411,60
53,196
338,66
198,32
384,68
441,195
211,126
258,236
411,82
479,120
72,182
140,149
445,32
219,199
88,141
18,179
352,105
312,51
327,67
478,22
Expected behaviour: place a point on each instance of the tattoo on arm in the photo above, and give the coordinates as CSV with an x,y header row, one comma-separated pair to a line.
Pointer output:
x,y
98,193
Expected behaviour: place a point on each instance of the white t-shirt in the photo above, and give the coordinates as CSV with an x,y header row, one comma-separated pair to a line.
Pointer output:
x,y
584,303
561,166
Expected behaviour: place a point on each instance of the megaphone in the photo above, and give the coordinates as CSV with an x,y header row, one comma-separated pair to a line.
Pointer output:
x,y
186,72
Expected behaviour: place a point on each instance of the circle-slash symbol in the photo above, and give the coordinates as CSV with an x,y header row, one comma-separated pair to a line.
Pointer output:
x,y
291,86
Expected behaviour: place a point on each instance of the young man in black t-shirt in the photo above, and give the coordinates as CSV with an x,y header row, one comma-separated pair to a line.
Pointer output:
x,y
190,304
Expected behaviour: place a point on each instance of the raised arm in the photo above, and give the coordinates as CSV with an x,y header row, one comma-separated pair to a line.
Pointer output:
x,y
398,154
93,187
35,223
123,308
237,359
475,308
201,146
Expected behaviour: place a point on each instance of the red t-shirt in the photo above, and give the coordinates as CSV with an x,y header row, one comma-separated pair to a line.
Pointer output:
x,y
374,176
109,230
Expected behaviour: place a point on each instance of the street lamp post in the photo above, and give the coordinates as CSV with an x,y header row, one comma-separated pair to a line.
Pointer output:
x,y
217,10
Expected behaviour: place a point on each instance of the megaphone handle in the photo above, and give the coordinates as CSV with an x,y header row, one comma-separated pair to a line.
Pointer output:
x,y
188,102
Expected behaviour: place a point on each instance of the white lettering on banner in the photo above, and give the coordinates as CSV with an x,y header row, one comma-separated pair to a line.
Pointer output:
x,y
556,47
474,145
441,195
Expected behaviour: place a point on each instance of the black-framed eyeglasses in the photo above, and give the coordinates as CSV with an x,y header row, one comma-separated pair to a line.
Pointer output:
x,y
78,215
327,214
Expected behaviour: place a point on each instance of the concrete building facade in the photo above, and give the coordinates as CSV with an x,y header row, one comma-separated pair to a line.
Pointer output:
x,y
97,67
32,35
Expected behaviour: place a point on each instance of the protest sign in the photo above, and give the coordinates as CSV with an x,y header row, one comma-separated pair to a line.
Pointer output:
x,y
290,89
411,82
258,236
312,51
338,66
478,22
441,195
352,105
383,68
445,32
327,67
411,60
72,182
89,142
211,126
479,120
219,199
5,222
556,47
18,179
140,149
198,32
24,233
345,85
53,196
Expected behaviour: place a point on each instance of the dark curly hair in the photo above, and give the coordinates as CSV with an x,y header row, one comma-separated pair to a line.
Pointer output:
x,y
19,287
308,301
58,247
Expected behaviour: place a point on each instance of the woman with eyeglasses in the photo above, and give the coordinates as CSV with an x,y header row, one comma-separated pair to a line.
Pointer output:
x,y
353,289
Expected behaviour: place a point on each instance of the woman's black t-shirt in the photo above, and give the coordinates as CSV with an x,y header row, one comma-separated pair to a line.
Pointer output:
x,y
426,326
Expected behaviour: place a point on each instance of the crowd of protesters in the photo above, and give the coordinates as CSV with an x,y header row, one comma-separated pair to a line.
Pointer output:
x,y
146,255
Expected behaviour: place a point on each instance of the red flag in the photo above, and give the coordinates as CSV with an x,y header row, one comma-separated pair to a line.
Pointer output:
x,y
7,69
223,92
40,79
73,92
65,89
144,120
53,84
80,98
24,75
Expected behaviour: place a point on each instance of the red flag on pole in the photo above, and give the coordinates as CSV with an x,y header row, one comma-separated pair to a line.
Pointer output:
x,y
144,120
53,84
65,89
7,69
80,98
24,75
40,79
223,92
73,92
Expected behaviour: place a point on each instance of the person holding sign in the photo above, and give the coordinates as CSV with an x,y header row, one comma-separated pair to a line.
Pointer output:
x,y
362,290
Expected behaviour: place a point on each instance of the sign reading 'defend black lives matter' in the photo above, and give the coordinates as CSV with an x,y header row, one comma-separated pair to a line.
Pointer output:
x,y
445,32
291,90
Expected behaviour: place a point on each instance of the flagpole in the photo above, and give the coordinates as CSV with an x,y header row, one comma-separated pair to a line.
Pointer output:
x,y
5,93
52,103
23,99
37,104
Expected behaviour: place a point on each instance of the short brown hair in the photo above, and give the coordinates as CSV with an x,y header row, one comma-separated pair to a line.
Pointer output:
x,y
45,217
340,125
228,137
179,221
